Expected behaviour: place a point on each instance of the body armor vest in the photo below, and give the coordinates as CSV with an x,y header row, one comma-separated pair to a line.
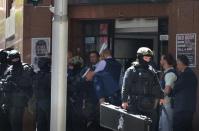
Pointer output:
x,y
145,91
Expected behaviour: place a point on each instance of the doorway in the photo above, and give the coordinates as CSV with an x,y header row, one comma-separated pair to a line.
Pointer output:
x,y
126,48
131,34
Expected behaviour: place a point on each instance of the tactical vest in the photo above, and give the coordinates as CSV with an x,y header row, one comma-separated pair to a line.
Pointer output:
x,y
20,84
163,80
144,83
145,91
163,77
114,68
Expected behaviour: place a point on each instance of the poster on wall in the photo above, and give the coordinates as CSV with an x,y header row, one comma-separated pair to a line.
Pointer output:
x,y
186,45
40,48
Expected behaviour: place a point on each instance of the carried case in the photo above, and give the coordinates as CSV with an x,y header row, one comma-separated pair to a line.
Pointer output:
x,y
117,119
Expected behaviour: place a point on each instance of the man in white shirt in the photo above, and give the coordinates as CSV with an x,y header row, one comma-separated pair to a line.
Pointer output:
x,y
168,81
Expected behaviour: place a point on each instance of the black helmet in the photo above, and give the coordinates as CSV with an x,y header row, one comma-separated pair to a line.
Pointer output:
x,y
14,57
144,51
3,56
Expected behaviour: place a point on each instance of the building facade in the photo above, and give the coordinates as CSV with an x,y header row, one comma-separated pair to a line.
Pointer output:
x,y
11,24
158,25
162,23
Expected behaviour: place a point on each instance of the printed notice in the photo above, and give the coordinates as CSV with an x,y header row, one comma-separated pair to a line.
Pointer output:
x,y
186,45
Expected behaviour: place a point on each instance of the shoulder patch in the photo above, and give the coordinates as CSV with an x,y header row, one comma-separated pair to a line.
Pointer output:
x,y
132,68
27,67
135,63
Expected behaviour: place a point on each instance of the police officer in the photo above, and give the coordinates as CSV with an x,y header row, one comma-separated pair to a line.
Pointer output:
x,y
3,62
141,90
42,91
4,122
75,93
106,77
19,79
90,102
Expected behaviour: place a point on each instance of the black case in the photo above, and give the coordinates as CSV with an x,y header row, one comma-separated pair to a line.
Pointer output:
x,y
117,119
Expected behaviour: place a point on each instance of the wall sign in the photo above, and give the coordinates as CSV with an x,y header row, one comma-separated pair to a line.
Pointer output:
x,y
40,48
186,45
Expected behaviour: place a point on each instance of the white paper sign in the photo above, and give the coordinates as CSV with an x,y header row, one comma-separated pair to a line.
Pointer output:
x,y
186,45
40,48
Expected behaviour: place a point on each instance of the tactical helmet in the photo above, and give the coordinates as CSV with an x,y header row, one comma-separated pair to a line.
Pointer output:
x,y
14,54
144,51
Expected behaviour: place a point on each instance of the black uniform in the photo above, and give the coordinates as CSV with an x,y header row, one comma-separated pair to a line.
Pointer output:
x,y
90,105
19,86
4,122
42,92
75,121
184,94
142,90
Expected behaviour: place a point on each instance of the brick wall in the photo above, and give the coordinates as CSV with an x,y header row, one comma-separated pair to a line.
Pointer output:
x,y
184,18
37,23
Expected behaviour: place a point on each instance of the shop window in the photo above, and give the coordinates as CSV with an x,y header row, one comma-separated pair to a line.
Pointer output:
x,y
90,44
97,35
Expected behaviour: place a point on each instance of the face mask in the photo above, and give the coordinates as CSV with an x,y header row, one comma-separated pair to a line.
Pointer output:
x,y
15,61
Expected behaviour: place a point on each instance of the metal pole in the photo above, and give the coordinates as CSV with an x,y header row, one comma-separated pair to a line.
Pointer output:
x,y
59,68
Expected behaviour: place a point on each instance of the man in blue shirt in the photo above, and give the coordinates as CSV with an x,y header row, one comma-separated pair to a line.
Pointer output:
x,y
106,78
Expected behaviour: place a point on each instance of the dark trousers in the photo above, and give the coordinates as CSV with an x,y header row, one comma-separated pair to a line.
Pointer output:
x,y
16,118
154,117
182,121
75,121
43,116
4,121
152,114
